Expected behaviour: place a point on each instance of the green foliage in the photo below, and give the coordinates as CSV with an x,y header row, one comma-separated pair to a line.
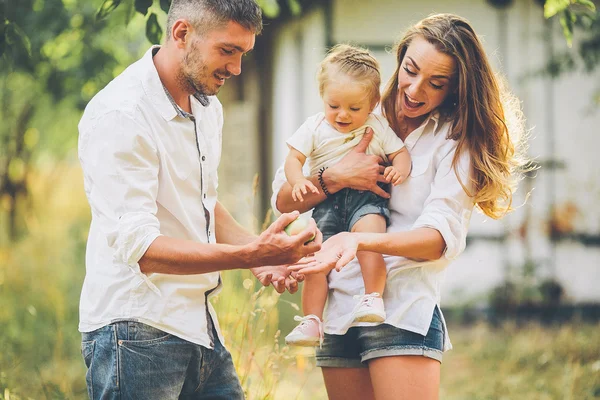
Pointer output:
x,y
142,6
153,30
55,57
106,8
579,17
569,12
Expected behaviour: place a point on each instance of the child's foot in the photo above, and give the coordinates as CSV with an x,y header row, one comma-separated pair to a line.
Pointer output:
x,y
308,333
369,308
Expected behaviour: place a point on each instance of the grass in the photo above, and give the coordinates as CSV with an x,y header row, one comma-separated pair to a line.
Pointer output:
x,y
40,282
526,362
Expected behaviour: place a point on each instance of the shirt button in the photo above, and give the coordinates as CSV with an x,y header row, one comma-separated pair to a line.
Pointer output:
x,y
203,158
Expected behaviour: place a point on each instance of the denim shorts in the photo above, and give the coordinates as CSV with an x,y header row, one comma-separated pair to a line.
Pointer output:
x,y
363,343
340,211
132,360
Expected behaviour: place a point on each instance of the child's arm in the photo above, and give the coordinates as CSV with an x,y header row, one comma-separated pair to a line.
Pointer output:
x,y
400,168
293,173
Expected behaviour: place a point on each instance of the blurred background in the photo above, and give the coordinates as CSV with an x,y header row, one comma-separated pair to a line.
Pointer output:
x,y
523,302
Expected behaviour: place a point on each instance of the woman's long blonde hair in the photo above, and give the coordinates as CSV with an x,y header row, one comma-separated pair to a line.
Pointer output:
x,y
487,119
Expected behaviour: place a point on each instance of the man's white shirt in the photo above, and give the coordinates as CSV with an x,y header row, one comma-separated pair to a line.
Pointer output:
x,y
149,170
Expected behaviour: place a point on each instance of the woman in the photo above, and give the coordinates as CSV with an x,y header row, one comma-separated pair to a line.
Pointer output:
x,y
462,130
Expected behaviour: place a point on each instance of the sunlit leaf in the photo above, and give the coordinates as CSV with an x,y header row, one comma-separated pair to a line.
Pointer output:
x,y
142,6
2,39
129,12
553,7
16,170
15,36
270,8
165,5
587,3
153,30
295,7
31,138
106,8
567,20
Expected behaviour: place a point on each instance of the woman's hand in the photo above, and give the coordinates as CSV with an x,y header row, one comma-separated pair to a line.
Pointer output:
x,y
357,170
336,252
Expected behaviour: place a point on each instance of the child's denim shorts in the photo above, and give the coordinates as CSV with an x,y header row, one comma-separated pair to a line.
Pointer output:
x,y
363,343
340,211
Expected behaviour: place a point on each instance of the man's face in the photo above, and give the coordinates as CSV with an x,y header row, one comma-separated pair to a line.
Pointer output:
x,y
215,56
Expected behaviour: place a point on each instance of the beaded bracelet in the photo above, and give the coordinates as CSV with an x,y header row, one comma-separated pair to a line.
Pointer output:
x,y
322,182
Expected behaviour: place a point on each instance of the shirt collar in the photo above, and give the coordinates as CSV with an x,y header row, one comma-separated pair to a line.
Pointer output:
x,y
158,93
435,118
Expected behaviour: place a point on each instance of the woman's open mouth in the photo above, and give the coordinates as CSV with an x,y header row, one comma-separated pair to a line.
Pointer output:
x,y
410,103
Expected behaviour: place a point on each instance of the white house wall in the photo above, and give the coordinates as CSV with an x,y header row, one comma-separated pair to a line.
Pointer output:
x,y
299,47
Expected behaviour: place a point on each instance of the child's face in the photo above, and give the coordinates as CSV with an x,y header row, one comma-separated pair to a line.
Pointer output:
x,y
347,104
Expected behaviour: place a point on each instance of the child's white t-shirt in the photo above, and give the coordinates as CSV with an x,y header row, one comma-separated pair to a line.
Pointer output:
x,y
323,146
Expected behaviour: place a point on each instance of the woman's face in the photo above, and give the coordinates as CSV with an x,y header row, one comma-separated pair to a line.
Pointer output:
x,y
426,76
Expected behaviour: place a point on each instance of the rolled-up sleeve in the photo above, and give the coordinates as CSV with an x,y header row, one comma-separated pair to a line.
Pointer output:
x,y
448,207
278,182
121,165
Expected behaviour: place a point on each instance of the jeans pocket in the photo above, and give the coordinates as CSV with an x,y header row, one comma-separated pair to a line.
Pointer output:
x,y
137,333
87,351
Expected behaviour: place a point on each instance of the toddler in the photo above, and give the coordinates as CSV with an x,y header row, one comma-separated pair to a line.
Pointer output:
x,y
349,82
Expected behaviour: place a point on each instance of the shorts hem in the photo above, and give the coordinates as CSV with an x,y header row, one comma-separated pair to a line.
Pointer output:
x,y
368,210
403,351
339,362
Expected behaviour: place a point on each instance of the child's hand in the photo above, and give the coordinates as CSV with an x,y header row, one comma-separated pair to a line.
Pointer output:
x,y
301,188
391,174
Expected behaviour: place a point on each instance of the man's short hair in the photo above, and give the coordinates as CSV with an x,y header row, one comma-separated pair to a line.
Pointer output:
x,y
207,15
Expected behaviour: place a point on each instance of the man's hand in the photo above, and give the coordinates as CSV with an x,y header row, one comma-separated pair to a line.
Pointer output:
x,y
358,170
336,252
278,276
275,247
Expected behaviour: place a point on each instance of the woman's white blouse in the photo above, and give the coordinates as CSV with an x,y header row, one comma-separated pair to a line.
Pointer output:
x,y
432,197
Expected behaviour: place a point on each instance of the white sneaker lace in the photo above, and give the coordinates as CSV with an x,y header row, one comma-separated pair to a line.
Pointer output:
x,y
304,323
365,299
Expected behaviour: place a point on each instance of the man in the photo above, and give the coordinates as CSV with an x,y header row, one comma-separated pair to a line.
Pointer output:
x,y
149,146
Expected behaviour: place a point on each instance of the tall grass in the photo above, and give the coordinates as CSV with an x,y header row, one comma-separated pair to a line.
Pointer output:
x,y
40,283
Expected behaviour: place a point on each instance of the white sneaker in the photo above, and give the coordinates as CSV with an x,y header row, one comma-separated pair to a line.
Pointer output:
x,y
309,332
369,308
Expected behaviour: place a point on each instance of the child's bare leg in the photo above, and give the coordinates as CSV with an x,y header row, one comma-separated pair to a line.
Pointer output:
x,y
372,265
314,294
309,332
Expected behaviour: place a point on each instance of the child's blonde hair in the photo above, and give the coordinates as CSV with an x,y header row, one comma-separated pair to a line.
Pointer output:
x,y
355,62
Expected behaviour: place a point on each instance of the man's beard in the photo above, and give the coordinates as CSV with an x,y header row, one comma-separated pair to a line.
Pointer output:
x,y
194,76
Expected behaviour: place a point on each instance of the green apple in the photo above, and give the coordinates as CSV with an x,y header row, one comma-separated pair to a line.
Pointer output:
x,y
297,226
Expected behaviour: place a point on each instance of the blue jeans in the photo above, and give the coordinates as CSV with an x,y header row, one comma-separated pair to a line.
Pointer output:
x,y
340,211
131,360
